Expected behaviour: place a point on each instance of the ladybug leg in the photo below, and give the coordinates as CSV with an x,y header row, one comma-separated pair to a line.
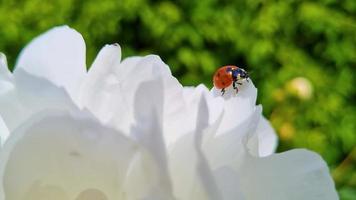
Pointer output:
x,y
222,92
235,87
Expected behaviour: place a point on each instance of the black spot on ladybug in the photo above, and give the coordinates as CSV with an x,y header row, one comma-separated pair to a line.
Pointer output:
x,y
223,83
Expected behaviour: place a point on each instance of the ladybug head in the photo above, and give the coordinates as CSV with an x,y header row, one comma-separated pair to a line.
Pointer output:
x,y
240,74
243,74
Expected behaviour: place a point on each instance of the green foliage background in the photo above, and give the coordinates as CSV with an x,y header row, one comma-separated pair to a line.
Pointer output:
x,y
276,40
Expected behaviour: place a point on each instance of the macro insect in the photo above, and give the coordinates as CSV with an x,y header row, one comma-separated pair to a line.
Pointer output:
x,y
227,75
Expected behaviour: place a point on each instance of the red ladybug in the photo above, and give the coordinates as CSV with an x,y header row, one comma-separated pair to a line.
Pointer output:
x,y
227,75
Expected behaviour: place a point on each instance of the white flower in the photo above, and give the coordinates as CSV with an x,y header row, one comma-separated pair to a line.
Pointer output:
x,y
128,130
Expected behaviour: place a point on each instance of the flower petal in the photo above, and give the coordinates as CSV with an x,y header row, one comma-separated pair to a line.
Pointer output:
x,y
5,73
267,138
58,151
133,71
229,185
145,179
192,98
238,108
111,99
234,144
191,173
58,56
4,132
110,92
95,86
26,95
246,90
203,167
183,168
6,78
294,175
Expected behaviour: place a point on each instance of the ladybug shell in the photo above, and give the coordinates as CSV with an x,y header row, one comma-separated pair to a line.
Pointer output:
x,y
223,78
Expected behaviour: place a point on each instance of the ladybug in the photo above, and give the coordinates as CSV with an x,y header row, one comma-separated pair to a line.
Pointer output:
x,y
227,75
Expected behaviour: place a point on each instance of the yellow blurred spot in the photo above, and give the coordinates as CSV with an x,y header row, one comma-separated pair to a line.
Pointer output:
x,y
279,95
286,131
300,87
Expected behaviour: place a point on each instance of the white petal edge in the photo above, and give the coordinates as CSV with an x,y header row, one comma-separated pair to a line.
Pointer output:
x,y
293,175
100,76
57,55
4,70
267,138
